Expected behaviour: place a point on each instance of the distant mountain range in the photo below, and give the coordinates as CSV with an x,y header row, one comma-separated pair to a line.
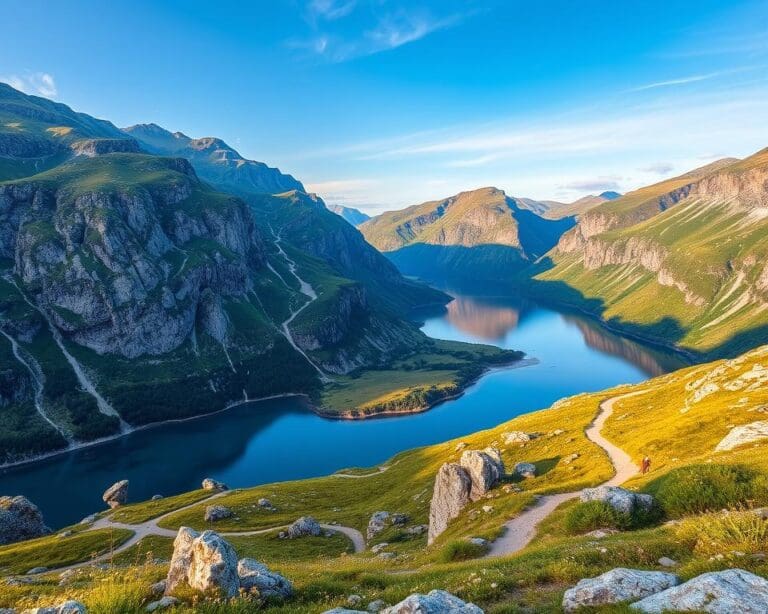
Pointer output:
x,y
145,276
353,216
482,234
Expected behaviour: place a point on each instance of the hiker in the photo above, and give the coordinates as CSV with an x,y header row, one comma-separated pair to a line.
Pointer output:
x,y
646,466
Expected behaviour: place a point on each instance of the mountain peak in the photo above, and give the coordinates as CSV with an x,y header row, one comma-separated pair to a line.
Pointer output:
x,y
609,195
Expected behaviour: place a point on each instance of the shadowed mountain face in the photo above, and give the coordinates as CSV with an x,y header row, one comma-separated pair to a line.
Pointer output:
x,y
215,161
351,215
482,234
689,252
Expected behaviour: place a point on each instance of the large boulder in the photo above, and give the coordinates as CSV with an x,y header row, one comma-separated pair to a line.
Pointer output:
x,y
525,470
718,592
68,607
211,484
255,576
616,586
205,562
620,499
117,494
303,527
485,469
436,602
217,512
451,494
516,437
20,519
740,435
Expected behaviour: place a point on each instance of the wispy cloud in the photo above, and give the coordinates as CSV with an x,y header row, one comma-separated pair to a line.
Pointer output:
x,y
658,168
41,83
680,81
379,31
597,184
350,192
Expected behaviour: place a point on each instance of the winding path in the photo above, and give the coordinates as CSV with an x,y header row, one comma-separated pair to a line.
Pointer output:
x,y
151,527
522,529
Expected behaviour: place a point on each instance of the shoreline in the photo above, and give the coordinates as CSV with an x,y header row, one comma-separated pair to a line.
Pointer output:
x,y
315,409
345,416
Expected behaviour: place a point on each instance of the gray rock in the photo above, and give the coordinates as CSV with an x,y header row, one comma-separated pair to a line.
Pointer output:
x,y
398,520
161,604
255,576
377,524
418,529
570,458
266,504
616,586
665,561
620,499
217,512
718,592
516,437
205,562
65,534
36,570
479,541
740,435
485,470
387,556
601,533
157,497
68,607
304,526
117,494
379,547
451,494
376,606
211,484
435,602
354,600
20,519
89,519
525,470
344,611
158,588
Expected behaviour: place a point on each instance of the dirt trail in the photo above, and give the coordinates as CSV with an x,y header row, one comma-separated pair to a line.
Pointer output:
x,y
522,529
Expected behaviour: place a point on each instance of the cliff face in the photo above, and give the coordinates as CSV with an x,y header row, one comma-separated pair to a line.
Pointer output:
x,y
98,262
690,251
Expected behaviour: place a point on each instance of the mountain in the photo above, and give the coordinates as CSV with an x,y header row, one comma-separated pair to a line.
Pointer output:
x,y
353,216
214,161
133,292
37,134
554,210
479,234
681,261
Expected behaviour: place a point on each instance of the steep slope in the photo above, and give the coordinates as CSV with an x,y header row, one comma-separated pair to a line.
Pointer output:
x,y
479,234
350,214
215,161
682,261
37,134
581,206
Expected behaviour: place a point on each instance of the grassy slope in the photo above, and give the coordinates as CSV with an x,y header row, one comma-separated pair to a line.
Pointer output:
x,y
712,247
673,421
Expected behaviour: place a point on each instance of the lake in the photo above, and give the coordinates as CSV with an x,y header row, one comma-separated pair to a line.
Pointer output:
x,y
282,439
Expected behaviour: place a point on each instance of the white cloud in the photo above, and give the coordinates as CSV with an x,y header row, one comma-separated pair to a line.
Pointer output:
x,y
331,9
349,192
680,81
658,168
598,184
40,83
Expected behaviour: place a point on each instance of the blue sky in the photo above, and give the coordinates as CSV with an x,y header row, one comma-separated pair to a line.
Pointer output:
x,y
384,103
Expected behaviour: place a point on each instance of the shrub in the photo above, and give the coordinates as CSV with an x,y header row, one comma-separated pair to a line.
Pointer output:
x,y
707,488
721,533
591,515
462,551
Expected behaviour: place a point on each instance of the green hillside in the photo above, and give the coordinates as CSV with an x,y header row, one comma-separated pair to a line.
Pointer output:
x,y
681,262
479,234
694,477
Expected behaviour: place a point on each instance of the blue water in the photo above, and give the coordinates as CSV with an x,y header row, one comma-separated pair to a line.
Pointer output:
x,y
282,439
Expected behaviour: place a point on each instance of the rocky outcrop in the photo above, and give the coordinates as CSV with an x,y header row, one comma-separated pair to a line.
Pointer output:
x,y
485,469
377,524
453,485
517,437
525,470
217,512
117,494
256,577
211,484
719,592
20,519
99,147
741,435
304,527
435,602
205,562
620,499
68,607
616,586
